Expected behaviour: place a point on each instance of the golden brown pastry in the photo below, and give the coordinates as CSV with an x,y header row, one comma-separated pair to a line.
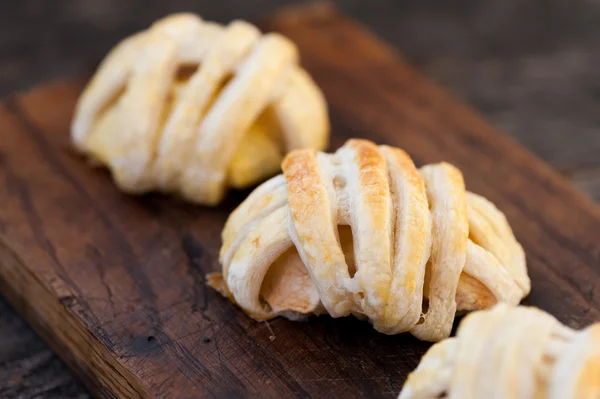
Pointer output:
x,y
364,232
194,107
510,353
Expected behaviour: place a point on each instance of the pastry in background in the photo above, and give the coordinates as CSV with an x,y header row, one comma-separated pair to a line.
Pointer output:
x,y
510,352
194,107
364,232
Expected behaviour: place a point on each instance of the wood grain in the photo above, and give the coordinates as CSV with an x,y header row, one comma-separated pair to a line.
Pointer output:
x,y
116,283
529,66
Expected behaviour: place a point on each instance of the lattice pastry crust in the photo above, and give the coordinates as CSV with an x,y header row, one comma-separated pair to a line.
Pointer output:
x,y
510,352
194,107
364,232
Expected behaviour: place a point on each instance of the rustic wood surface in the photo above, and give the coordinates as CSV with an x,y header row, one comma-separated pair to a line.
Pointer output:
x,y
530,69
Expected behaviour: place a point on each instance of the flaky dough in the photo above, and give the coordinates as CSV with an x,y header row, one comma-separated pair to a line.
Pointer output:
x,y
364,232
510,352
194,107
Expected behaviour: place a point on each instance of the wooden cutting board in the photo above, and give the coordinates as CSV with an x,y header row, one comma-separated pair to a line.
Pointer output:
x,y
116,284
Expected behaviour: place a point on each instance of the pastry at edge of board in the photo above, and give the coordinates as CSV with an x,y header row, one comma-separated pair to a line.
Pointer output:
x,y
194,108
363,232
510,352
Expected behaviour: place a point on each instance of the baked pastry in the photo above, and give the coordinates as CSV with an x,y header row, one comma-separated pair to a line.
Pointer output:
x,y
510,352
364,232
194,107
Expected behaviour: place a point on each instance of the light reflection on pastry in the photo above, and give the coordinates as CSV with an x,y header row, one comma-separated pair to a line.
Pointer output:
x,y
194,107
510,352
364,232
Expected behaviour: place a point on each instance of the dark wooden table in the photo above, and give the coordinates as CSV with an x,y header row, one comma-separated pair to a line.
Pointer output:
x,y
530,68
